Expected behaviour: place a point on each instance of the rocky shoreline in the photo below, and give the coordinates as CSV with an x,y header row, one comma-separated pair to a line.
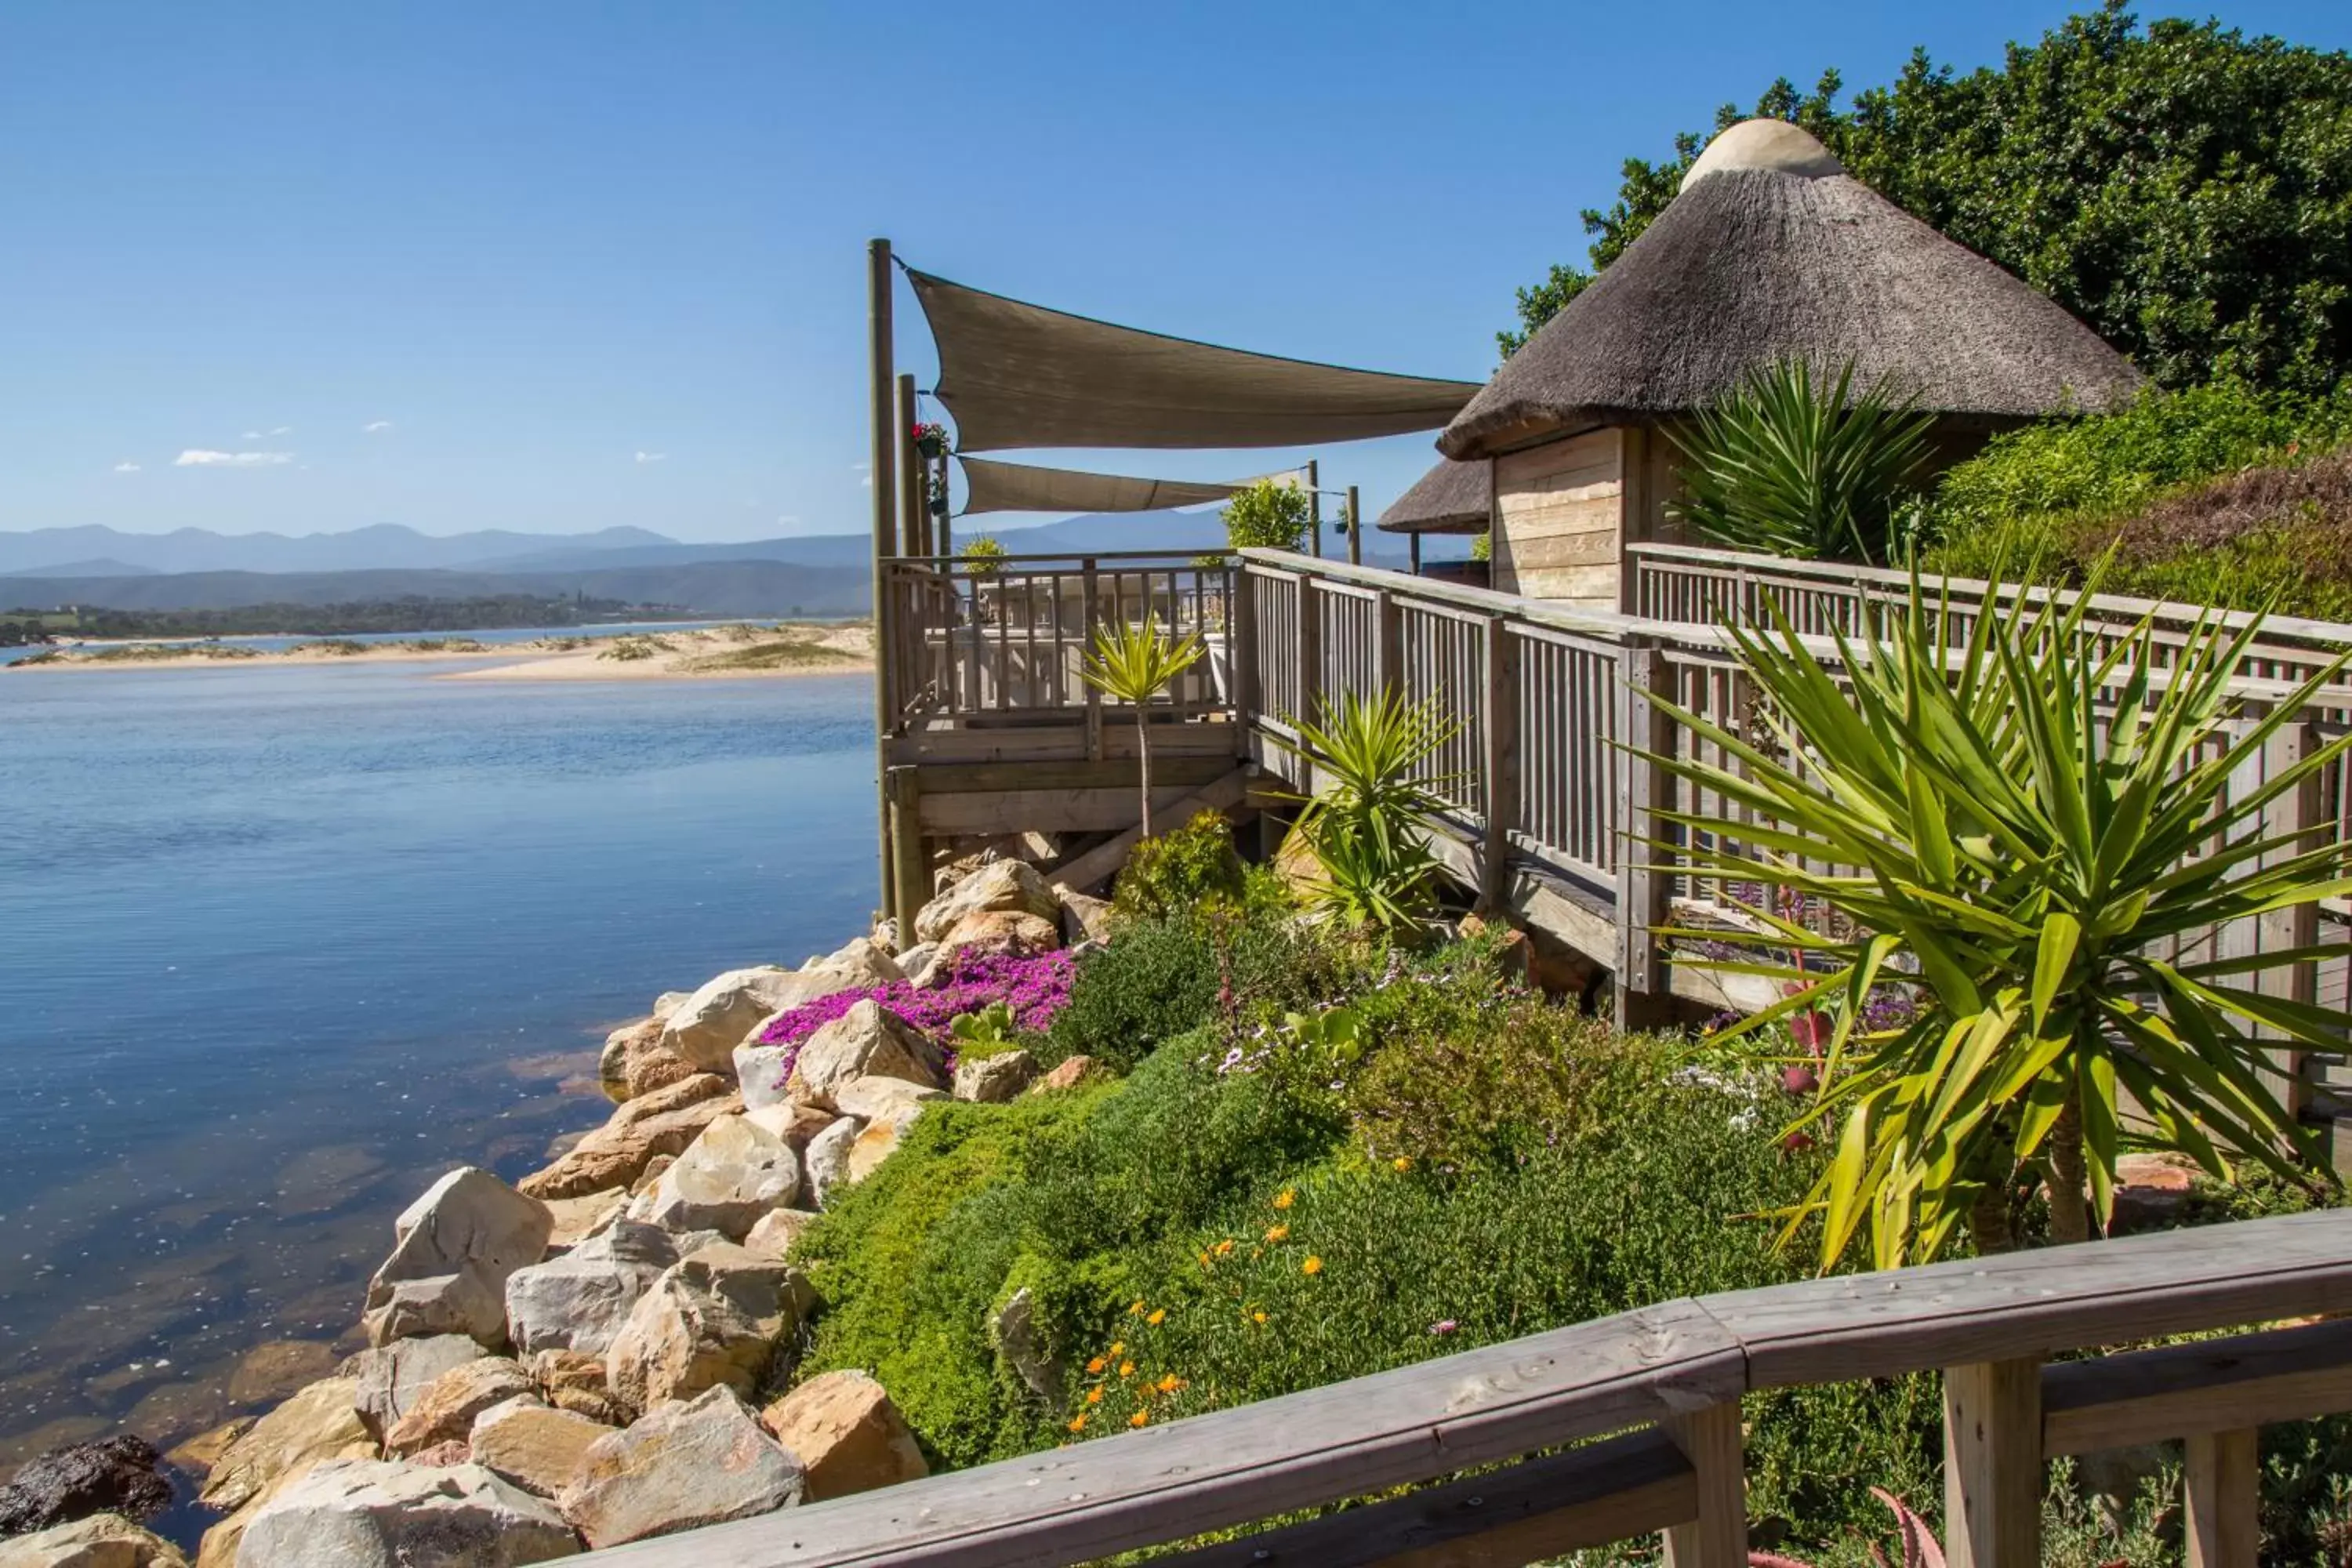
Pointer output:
x,y
606,1351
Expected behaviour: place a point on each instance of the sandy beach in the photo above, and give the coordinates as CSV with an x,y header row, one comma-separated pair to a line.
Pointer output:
x,y
738,652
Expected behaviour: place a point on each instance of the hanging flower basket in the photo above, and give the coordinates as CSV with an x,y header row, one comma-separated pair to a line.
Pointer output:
x,y
931,440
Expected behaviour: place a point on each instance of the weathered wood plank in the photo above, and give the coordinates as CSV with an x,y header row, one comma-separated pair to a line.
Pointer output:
x,y
1538,1507
1302,1450
2212,1385
1096,867
1061,740
1992,1464
1716,1536
1111,773
2221,1476
1102,810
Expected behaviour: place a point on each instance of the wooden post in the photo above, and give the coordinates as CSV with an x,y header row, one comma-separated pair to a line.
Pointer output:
x,y
1094,697
943,535
1388,643
2297,811
1992,1464
885,448
1355,530
1313,509
912,469
1711,1440
1310,657
1643,888
2222,1477
1414,539
1241,657
1501,717
909,869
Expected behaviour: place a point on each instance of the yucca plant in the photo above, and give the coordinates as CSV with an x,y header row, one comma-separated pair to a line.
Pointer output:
x,y
2034,816
1785,467
1368,831
1133,663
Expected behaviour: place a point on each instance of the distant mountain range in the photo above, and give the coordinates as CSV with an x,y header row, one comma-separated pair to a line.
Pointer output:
x,y
710,588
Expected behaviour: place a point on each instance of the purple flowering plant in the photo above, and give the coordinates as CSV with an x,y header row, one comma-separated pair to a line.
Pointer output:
x,y
1033,989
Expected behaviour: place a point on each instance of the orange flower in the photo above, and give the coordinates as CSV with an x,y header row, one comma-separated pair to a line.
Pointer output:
x,y
1404,1162
1284,1199
1135,1309
1169,1383
1257,1317
1138,1418
1097,1364
1158,1317
1225,1248
1205,1260
1126,1368
1278,1232
1078,1423
1312,1266
1094,1395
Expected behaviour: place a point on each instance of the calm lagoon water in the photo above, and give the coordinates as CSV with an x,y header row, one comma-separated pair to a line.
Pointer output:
x,y
279,945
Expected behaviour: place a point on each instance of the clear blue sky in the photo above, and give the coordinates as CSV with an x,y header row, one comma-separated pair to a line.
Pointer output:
x,y
587,264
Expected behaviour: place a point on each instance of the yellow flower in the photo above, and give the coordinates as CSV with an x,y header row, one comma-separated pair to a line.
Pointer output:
x,y
1205,1260
1278,1232
1138,1418
1258,1317
1126,1368
1169,1383
1312,1266
1136,1309
1078,1423
1284,1199
1094,1395
1404,1162
1225,1248
1097,1364
1158,1317
1116,1346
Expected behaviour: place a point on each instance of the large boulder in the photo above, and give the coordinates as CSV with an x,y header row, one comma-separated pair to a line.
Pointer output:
x,y
101,1541
879,1142
847,1435
990,932
707,1026
994,1079
534,1447
1084,917
826,1158
321,1422
686,1464
574,1381
795,1124
577,1219
578,1302
870,1097
778,1232
388,1381
735,1172
1003,885
869,959
717,1318
616,1153
635,1061
868,1041
367,1513
111,1475
444,1412
468,1231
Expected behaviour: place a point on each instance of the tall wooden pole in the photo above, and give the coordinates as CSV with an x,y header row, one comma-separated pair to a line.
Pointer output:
x,y
912,469
1313,509
886,490
1355,530
1415,537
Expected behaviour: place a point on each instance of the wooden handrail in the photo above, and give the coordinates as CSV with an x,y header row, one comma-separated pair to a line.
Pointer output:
x,y
1438,1417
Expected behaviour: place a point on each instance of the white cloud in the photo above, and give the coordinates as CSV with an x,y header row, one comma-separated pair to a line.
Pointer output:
x,y
126,467
252,435
197,458
375,426
651,457
283,430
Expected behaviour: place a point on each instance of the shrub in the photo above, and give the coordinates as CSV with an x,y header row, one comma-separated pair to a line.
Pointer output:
x,y
1267,515
1178,873
1367,832
983,554
1157,980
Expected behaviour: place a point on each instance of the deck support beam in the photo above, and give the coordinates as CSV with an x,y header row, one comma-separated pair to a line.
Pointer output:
x,y
1992,1464
2222,1478
1717,1538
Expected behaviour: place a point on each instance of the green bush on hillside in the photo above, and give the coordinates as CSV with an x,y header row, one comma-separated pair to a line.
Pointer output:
x,y
1180,872
1158,979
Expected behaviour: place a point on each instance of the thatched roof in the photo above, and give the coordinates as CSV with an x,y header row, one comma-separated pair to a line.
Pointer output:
x,y
1451,498
1771,252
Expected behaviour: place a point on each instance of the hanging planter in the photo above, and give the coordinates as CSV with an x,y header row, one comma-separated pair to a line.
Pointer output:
x,y
931,441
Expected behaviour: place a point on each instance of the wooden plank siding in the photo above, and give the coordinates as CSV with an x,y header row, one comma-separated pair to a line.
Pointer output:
x,y
1559,509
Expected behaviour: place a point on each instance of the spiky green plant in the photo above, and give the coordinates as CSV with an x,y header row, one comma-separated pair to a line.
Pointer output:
x,y
1785,467
1369,830
2029,816
1133,663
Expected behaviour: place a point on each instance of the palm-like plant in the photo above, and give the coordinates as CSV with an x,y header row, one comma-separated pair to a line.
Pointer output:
x,y
2037,821
1368,831
1785,468
1133,663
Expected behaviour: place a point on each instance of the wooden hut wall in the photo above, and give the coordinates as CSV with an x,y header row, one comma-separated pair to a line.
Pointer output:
x,y
1558,515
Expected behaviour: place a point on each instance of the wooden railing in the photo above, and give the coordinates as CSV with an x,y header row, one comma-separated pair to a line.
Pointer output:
x,y
1635,1425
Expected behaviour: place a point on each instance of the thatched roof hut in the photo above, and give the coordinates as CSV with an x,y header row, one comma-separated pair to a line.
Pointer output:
x,y
1769,252
1451,498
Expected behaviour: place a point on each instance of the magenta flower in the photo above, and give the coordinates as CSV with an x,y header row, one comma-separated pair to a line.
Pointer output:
x,y
1034,989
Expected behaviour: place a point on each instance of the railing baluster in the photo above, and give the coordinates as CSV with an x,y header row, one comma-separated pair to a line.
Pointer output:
x,y
2221,1476
1992,1464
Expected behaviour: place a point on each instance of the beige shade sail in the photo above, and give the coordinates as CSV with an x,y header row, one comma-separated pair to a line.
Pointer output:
x,y
991,486
1020,375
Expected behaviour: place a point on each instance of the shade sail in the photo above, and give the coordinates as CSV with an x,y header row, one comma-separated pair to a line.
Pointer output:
x,y
1016,375
1017,486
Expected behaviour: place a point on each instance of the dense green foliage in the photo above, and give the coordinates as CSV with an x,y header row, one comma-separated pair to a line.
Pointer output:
x,y
984,554
1787,467
412,614
2183,189
1160,979
1267,515
2220,494
1375,870
1193,867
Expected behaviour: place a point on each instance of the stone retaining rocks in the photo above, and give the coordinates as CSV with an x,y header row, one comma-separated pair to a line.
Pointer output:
x,y
321,1422
847,1435
111,1475
454,1248
868,1041
994,1079
635,1061
531,1446
616,1153
388,1381
578,1302
725,1181
826,1158
471,1302
714,1319
877,1142
684,1465
1003,885
445,1411
367,1513
989,932
101,1541
777,1231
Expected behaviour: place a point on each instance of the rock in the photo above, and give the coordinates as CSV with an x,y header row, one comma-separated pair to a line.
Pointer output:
x,y
826,1158
1084,917
686,1464
1014,1330
885,935
994,1079
275,1370
917,959
443,1456
707,1026
653,1172
762,1070
537,1449
879,1142
389,1381
1003,885
615,1154
367,1513
2151,1189
200,1453
101,1541
635,1061
690,1242
990,931
864,957
321,1422
465,1234
868,1041
869,1097
577,1219
777,1231
714,1319
109,1475
578,1302
795,1124
472,1302
846,1435
735,1172
447,1408
1067,1074
670,1001
572,1380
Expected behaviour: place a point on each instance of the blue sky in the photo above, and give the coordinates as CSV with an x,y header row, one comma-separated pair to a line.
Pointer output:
x,y
556,267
